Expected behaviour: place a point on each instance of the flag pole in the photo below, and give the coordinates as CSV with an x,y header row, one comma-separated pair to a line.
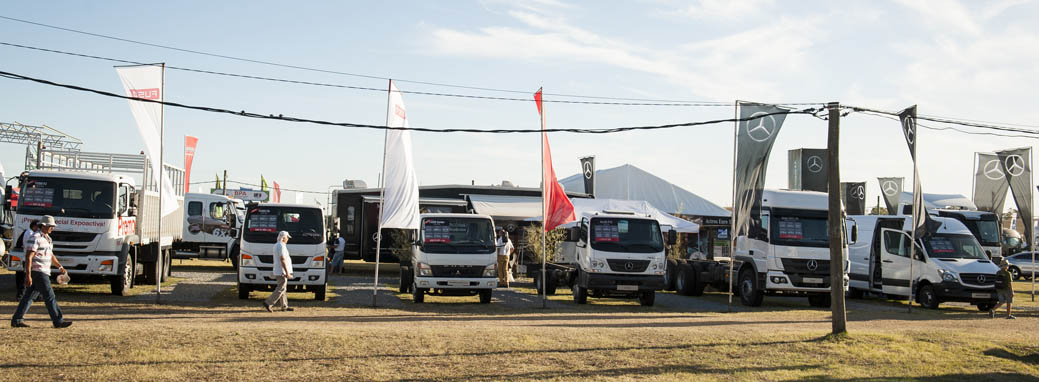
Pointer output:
x,y
159,262
544,215
732,215
1031,198
382,197
918,209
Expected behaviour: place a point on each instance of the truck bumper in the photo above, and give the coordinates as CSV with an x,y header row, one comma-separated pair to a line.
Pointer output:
x,y
254,276
456,283
956,292
781,281
621,282
98,263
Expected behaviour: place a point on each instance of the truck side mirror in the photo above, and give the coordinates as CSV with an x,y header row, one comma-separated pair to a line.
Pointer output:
x,y
672,238
854,233
233,232
573,234
132,211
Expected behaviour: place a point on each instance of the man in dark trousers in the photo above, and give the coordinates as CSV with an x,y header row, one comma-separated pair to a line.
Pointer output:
x,y
1004,290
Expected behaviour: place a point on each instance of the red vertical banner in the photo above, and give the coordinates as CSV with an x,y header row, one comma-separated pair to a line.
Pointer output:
x,y
558,208
189,154
277,193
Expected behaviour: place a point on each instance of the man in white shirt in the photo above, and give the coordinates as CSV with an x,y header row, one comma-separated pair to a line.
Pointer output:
x,y
39,258
505,249
337,259
27,237
283,272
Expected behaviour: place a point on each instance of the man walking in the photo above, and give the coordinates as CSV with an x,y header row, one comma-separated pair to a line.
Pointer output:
x,y
1004,290
283,272
40,258
505,249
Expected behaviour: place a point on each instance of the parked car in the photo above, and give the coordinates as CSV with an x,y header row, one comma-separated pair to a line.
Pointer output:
x,y
1021,265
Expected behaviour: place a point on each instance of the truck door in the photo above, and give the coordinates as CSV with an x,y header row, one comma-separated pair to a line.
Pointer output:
x,y
193,222
895,261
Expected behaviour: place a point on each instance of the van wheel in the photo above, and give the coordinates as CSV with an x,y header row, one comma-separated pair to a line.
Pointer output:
x,y
418,295
691,285
927,298
243,292
319,293
121,284
820,300
1015,272
671,273
485,296
647,298
580,294
750,293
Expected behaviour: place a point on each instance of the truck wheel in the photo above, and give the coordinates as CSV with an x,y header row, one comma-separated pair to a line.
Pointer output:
x,y
551,282
418,295
243,292
820,300
927,298
580,294
647,298
121,284
691,285
149,273
234,257
671,274
750,293
167,263
319,293
485,296
406,279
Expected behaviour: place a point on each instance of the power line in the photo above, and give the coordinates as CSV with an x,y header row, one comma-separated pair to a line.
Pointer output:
x,y
893,118
949,121
327,71
281,117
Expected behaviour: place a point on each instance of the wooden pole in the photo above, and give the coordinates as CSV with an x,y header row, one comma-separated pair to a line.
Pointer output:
x,y
835,217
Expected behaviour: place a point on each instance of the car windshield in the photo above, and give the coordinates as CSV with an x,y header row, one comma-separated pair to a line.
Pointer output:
x,y
944,246
78,198
799,231
626,235
457,235
304,225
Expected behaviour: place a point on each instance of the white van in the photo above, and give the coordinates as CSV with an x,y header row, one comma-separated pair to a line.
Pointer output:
x,y
950,264
454,255
306,248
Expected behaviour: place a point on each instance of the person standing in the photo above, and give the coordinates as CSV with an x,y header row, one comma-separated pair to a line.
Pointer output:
x,y
283,272
1004,290
40,258
27,237
505,249
337,259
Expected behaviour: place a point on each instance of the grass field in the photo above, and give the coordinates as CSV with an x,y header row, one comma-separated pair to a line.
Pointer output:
x,y
456,339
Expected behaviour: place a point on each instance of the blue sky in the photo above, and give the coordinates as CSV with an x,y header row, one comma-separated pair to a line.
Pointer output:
x,y
974,60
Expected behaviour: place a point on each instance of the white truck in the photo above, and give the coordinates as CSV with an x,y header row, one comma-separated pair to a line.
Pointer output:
x,y
306,248
609,254
787,250
107,225
950,264
211,224
455,255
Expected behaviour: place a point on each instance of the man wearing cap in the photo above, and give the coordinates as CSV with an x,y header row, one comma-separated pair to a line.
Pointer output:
x,y
283,272
40,256
1004,289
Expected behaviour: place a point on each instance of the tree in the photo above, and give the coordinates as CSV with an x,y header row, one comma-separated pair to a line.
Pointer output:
x,y
532,241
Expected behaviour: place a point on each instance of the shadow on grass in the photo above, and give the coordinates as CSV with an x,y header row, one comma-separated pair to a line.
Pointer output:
x,y
995,376
1032,358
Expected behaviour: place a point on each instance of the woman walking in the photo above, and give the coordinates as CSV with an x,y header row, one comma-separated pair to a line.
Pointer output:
x,y
40,257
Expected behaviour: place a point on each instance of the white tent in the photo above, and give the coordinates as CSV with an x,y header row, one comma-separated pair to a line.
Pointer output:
x,y
528,208
941,201
628,182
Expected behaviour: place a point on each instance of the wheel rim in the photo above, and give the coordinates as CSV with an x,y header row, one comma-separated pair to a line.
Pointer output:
x,y
928,297
746,287
127,276
680,282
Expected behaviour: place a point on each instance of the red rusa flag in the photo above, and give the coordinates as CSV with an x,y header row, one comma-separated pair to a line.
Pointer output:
x,y
190,143
557,206
277,192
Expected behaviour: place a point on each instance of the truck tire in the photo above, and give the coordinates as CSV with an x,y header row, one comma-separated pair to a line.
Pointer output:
x,y
406,279
551,283
418,295
580,293
319,293
234,257
671,275
243,292
167,263
750,292
647,298
820,300
149,273
927,298
485,296
122,283
690,280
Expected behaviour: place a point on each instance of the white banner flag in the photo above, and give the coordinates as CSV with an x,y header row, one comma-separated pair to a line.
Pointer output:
x,y
145,82
400,204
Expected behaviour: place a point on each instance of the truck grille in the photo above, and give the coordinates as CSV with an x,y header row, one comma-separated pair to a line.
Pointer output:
x,y
269,259
72,237
621,265
457,270
805,266
982,279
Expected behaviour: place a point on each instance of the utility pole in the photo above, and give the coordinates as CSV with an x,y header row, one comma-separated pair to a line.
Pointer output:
x,y
836,220
225,183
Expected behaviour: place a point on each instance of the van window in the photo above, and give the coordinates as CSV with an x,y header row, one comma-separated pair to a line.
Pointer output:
x,y
893,243
194,208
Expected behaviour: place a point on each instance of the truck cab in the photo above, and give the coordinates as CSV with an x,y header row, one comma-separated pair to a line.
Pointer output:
x,y
984,226
211,222
615,254
306,248
950,265
787,249
454,255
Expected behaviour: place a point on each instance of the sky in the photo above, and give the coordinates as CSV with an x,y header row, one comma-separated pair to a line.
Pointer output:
x,y
971,60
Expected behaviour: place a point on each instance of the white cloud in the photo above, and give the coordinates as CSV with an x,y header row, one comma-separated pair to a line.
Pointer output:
x,y
724,9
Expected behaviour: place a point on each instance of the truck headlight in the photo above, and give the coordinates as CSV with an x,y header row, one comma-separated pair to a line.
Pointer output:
x,y
247,260
948,276
319,262
106,266
424,269
490,270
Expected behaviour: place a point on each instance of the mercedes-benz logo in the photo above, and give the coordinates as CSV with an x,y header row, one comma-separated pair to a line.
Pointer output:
x,y
815,163
588,170
1015,165
458,273
981,279
908,125
761,126
812,265
858,193
992,170
628,266
890,187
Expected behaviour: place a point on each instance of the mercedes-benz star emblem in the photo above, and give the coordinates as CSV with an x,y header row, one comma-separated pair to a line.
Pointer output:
x,y
981,279
1015,165
815,163
908,124
890,188
858,193
588,170
629,266
992,170
812,265
761,126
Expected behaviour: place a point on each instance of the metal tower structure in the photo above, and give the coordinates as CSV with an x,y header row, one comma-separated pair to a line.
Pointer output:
x,y
36,137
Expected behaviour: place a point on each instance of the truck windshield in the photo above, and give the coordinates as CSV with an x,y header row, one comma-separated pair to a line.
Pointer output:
x,y
800,231
305,225
987,231
457,235
626,235
944,246
77,198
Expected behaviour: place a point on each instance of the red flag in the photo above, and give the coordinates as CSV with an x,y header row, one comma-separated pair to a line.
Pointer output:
x,y
558,208
189,154
277,192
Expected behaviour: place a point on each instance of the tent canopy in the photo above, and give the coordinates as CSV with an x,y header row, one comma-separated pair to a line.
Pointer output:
x,y
941,201
628,182
528,208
